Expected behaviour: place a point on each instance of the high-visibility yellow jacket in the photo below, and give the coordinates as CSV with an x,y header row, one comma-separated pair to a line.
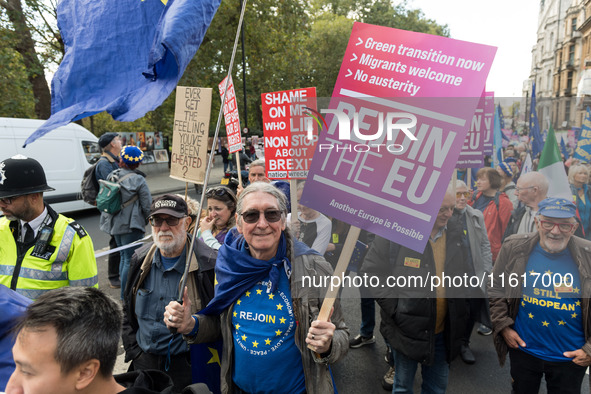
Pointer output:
x,y
68,260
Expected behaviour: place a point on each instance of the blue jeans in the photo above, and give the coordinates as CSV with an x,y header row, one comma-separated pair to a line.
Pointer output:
x,y
124,239
434,376
368,317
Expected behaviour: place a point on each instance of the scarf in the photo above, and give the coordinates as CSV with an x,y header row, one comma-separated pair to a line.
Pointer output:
x,y
237,271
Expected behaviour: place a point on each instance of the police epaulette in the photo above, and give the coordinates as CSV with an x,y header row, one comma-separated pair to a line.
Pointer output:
x,y
79,229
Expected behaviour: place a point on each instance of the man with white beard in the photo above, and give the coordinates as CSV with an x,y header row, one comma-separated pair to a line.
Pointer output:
x,y
153,281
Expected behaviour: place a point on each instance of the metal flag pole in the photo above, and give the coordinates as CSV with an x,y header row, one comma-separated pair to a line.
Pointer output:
x,y
209,163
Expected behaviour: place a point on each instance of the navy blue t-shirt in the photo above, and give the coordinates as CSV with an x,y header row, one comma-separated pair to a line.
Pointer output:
x,y
267,359
550,319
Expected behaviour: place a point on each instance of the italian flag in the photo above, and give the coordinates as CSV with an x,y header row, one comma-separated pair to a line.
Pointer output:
x,y
552,167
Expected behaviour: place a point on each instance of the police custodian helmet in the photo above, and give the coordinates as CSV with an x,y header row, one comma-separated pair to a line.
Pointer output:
x,y
22,175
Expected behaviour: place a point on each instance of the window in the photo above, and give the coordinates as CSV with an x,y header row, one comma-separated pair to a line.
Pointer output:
x,y
92,151
573,25
571,55
569,81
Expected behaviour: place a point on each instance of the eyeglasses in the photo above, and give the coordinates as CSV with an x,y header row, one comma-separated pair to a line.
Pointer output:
x,y
271,216
518,189
9,200
563,227
157,221
465,194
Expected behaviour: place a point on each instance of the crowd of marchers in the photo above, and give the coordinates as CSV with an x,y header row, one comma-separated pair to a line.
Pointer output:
x,y
229,288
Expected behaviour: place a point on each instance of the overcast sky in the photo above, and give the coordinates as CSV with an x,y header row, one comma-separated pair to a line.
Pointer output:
x,y
510,25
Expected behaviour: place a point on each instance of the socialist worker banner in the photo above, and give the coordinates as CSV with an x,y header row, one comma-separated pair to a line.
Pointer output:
x,y
290,132
489,115
231,116
398,117
472,155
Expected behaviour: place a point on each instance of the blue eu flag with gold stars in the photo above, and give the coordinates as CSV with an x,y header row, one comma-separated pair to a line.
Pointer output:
x,y
122,56
535,137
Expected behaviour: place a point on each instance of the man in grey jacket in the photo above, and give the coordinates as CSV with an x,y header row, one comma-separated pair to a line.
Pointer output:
x,y
481,257
110,143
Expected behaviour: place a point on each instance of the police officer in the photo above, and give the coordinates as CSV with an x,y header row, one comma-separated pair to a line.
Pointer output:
x,y
40,249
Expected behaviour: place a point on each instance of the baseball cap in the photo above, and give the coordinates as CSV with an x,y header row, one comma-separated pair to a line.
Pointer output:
x,y
557,208
169,204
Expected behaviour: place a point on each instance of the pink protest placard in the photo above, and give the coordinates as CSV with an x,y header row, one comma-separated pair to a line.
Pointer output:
x,y
489,116
231,116
290,132
472,155
571,138
398,117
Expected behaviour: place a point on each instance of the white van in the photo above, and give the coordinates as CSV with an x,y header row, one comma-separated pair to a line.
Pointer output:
x,y
64,154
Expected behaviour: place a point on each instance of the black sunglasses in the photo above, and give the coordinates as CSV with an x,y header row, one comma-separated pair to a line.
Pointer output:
x,y
216,191
157,221
271,216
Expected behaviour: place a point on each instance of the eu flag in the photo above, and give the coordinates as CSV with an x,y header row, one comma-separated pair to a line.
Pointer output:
x,y
124,57
563,149
206,362
535,138
583,149
498,139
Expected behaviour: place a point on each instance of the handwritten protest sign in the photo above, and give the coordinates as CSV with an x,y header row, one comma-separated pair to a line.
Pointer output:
x,y
472,155
489,115
231,116
189,134
398,117
290,132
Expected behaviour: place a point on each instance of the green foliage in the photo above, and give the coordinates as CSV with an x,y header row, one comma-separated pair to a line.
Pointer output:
x,y
288,44
16,96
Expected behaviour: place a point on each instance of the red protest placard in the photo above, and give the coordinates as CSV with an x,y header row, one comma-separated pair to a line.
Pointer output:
x,y
290,132
231,116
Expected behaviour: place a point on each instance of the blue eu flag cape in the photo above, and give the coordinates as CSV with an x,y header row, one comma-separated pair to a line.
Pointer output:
x,y
124,57
12,306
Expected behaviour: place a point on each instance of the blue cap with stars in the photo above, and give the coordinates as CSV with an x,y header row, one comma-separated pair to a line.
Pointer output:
x,y
132,154
557,208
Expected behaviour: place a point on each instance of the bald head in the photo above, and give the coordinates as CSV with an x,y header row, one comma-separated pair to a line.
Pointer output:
x,y
446,210
532,188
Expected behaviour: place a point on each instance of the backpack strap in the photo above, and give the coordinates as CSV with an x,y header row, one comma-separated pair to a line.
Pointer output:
x,y
132,199
108,157
497,196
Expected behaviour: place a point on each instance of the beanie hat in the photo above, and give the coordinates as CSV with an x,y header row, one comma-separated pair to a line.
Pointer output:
x,y
506,168
131,154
